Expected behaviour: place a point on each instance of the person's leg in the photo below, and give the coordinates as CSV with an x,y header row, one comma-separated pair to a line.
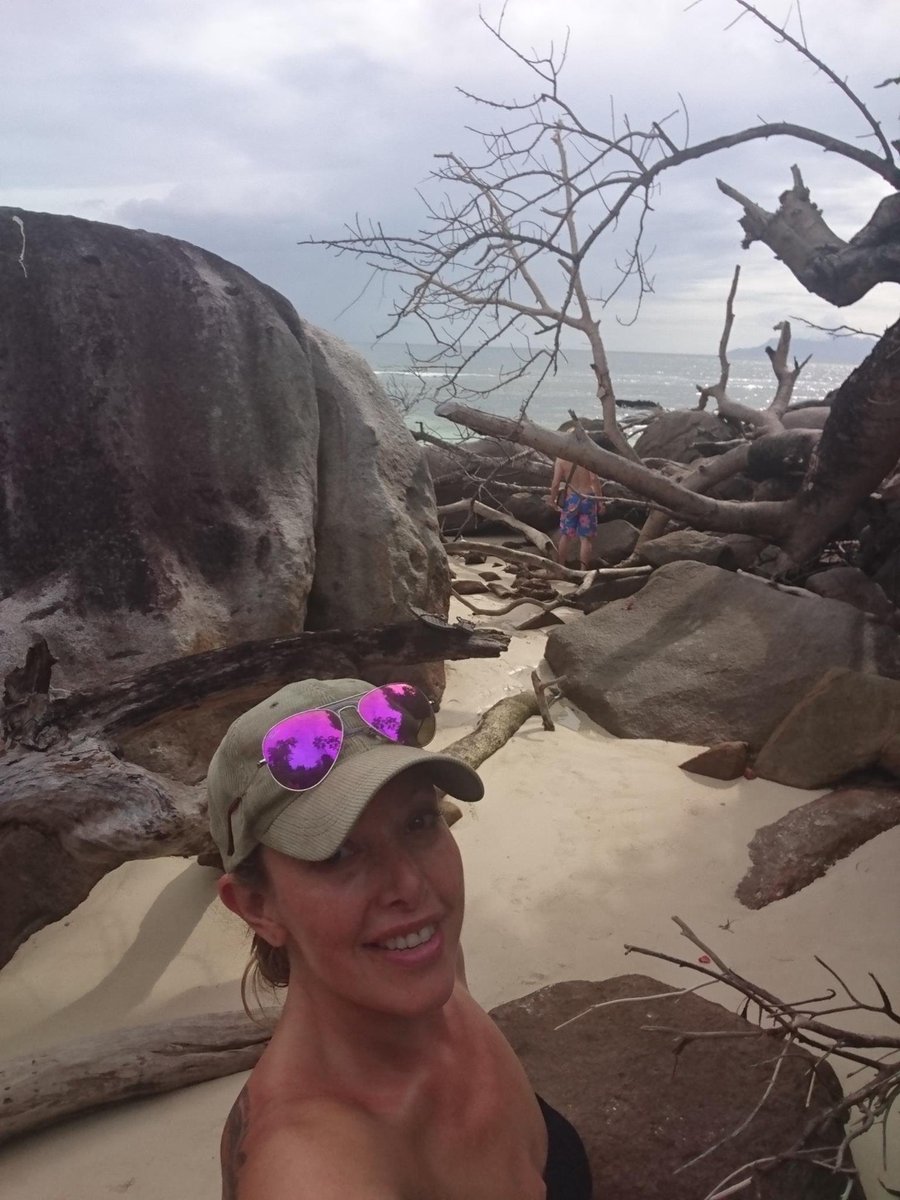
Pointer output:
x,y
587,528
568,526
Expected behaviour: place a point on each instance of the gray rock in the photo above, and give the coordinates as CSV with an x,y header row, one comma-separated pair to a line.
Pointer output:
x,y
643,1113
725,760
783,455
702,655
736,487
847,722
853,586
188,464
687,545
613,542
378,548
745,548
792,852
672,434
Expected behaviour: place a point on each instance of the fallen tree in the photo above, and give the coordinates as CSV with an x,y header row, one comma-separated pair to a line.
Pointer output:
x,y
858,449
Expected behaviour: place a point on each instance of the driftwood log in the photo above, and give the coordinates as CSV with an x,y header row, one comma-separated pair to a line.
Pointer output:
x,y
523,558
495,727
186,682
37,1090
74,808
474,507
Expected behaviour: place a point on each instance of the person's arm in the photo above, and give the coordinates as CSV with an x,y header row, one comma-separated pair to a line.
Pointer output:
x,y
559,469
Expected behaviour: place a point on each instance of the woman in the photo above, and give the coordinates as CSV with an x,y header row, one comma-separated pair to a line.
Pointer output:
x,y
383,1080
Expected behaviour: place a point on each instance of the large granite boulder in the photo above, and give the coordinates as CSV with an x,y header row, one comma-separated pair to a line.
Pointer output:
x,y
645,1106
674,435
701,655
186,463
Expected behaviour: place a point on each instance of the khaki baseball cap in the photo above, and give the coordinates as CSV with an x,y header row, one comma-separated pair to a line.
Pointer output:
x,y
311,825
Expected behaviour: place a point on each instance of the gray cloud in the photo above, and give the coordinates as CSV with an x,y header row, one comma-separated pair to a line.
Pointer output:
x,y
246,128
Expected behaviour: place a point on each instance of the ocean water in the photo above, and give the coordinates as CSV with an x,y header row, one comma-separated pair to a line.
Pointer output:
x,y
668,379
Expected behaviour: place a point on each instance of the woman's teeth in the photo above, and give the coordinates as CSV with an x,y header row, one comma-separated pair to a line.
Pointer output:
x,y
410,940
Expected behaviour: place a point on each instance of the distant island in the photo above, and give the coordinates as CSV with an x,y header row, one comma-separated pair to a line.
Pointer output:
x,y
837,349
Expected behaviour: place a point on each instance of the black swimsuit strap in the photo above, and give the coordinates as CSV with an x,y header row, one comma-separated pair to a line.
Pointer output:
x,y
567,1173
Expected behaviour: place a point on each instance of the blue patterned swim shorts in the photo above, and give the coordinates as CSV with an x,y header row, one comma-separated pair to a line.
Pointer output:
x,y
578,515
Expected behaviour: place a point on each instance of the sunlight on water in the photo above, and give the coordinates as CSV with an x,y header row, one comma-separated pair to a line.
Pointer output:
x,y
668,379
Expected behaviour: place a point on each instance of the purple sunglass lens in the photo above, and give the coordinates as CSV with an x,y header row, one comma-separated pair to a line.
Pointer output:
x,y
301,750
399,712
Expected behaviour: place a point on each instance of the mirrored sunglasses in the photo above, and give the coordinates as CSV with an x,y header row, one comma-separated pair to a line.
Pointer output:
x,y
301,750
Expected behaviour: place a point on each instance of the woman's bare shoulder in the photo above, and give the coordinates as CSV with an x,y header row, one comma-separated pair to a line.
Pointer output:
x,y
319,1148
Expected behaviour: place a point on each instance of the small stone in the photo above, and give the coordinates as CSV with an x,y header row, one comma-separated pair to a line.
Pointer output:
x,y
725,760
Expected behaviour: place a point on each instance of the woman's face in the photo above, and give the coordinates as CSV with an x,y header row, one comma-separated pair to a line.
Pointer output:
x,y
378,924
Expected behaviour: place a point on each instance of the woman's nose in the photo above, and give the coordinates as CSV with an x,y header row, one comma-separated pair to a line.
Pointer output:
x,y
402,877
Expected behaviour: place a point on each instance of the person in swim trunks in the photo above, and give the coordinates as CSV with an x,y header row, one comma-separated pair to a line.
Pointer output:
x,y
383,1079
578,508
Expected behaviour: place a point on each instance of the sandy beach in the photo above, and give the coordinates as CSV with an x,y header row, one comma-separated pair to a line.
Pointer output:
x,y
583,843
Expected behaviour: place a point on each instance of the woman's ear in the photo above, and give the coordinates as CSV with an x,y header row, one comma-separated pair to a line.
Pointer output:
x,y
254,906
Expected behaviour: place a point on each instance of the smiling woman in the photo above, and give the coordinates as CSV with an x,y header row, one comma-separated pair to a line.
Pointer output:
x,y
383,1078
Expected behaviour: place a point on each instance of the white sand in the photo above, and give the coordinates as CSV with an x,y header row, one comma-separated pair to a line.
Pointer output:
x,y
583,843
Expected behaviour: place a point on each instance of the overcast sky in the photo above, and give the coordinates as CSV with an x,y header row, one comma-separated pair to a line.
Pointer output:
x,y
244,127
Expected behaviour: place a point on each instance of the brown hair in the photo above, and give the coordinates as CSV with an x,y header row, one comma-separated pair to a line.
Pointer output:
x,y
268,967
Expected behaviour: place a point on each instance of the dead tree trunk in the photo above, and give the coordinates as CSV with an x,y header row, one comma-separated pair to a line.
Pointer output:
x,y
841,272
859,447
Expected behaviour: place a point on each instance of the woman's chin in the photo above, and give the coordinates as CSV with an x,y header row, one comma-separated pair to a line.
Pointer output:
x,y
413,993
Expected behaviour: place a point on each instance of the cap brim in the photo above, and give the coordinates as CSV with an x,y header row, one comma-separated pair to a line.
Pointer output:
x,y
315,823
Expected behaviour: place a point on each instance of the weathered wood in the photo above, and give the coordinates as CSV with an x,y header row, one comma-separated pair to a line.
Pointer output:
x,y
553,570
840,272
763,518
705,475
543,541
494,729
185,682
37,1090
859,447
